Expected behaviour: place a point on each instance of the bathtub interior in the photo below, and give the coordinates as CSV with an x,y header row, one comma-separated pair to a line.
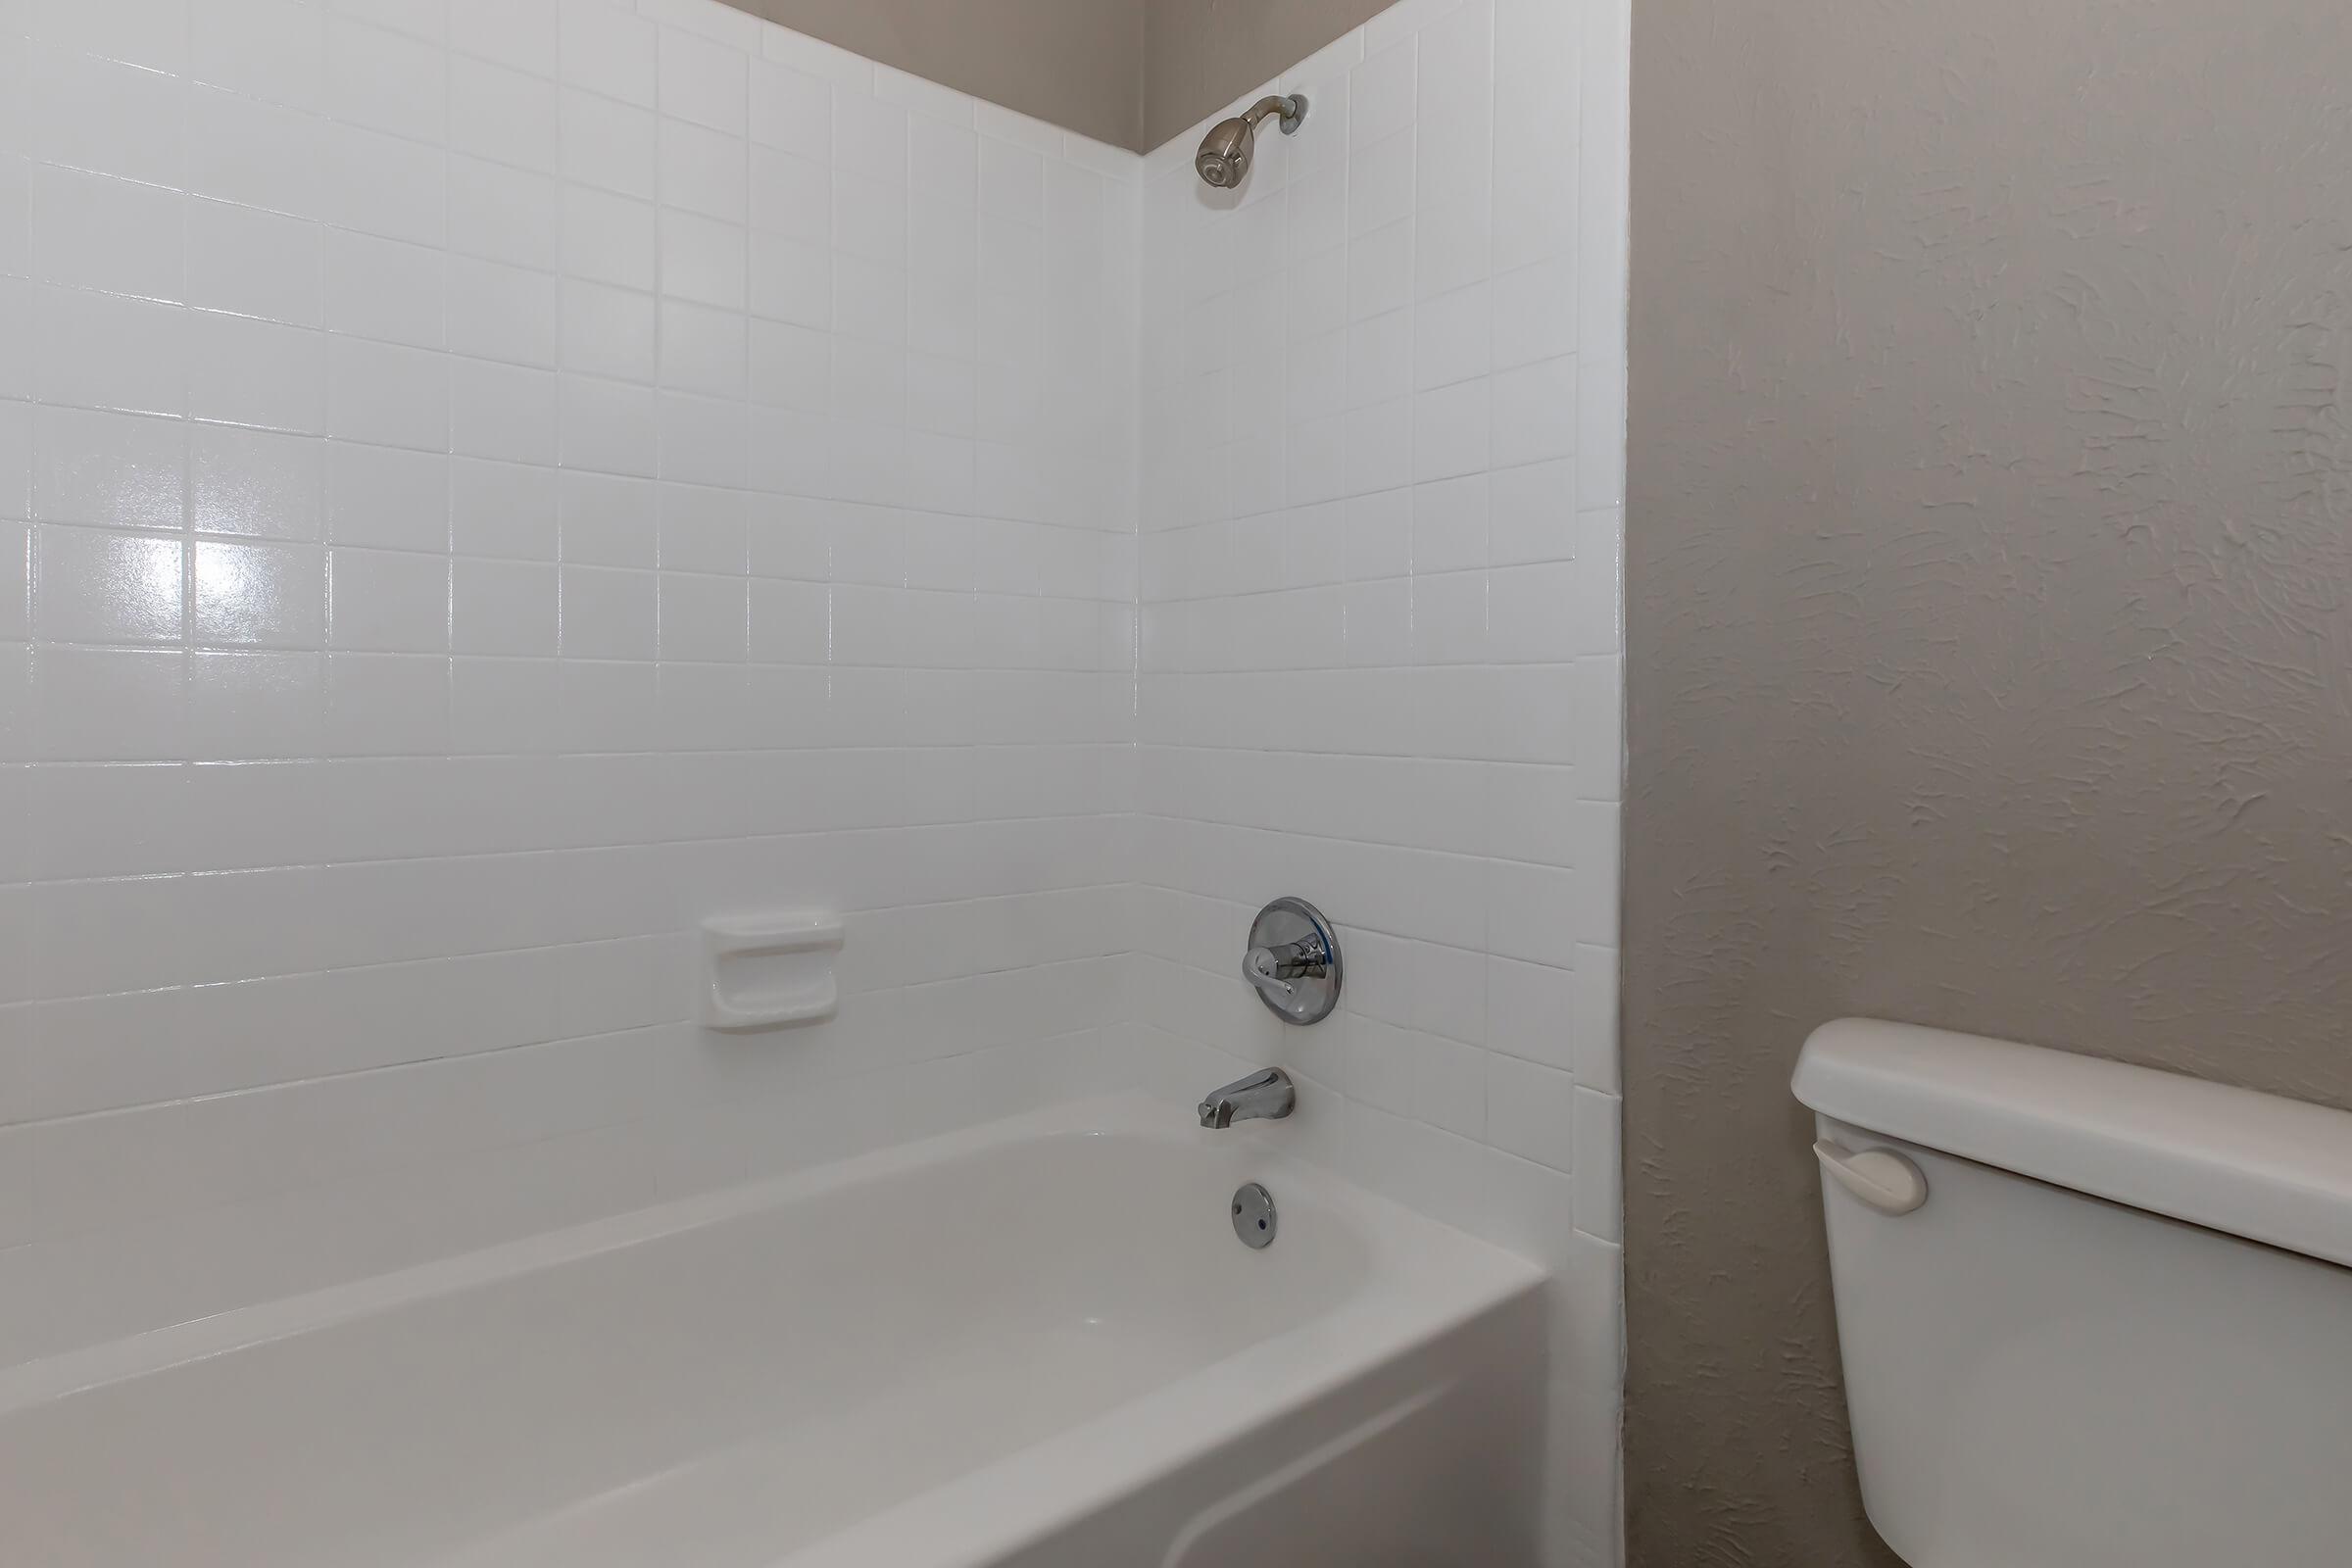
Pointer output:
x,y
771,1375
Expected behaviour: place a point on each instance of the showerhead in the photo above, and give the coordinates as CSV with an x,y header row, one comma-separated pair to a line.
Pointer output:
x,y
1224,156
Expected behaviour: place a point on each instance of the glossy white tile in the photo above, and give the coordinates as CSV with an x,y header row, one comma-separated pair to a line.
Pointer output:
x,y
1447,797
507,479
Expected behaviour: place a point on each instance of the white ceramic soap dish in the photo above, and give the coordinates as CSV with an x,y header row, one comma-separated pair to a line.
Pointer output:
x,y
761,971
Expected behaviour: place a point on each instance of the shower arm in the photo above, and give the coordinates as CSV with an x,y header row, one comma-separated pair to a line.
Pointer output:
x,y
1289,108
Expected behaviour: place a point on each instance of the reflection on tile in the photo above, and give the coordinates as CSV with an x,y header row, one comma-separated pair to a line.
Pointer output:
x,y
273,595
98,586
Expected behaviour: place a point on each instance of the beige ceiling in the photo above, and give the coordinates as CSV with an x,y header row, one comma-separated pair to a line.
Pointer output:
x,y
1131,73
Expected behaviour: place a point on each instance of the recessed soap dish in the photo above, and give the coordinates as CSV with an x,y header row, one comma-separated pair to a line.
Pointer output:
x,y
761,972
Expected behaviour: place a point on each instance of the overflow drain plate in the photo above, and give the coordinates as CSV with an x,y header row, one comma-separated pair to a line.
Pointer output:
x,y
1254,1216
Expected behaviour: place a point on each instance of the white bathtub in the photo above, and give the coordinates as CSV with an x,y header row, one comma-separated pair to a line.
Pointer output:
x,y
1038,1342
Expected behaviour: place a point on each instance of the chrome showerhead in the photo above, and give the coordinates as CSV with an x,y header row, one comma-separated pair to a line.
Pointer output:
x,y
1224,156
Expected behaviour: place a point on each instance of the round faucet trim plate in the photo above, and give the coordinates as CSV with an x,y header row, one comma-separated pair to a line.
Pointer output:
x,y
1293,959
1253,1217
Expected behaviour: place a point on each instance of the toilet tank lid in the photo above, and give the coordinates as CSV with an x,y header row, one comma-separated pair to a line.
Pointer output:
x,y
2273,1170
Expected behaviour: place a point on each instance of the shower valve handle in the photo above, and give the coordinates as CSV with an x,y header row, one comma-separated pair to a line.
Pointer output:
x,y
1274,968
1291,960
1263,970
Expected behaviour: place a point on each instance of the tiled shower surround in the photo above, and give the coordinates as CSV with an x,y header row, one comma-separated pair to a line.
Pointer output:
x,y
505,481
1383,431
484,485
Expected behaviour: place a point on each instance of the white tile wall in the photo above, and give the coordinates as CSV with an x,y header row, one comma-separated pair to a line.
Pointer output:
x,y
1380,663
482,485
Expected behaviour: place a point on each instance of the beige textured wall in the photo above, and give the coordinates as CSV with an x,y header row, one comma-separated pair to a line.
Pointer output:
x,y
1076,63
1200,55
1988,550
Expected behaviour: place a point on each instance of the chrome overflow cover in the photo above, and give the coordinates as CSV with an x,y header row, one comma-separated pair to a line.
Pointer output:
x,y
1254,1216
1293,961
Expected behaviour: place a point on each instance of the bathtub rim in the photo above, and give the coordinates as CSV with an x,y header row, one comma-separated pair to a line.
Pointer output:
x,y
1028,1495
1424,1280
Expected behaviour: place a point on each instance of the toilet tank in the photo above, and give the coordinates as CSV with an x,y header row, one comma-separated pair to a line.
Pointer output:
x,y
2118,1331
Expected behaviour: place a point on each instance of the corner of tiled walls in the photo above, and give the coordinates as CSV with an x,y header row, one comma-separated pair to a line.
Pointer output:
x,y
1381,662
483,484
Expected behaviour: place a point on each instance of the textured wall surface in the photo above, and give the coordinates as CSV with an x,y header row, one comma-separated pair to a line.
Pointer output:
x,y
1991,663
1076,63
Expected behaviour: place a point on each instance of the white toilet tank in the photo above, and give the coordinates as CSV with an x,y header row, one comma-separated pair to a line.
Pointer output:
x,y
2116,1332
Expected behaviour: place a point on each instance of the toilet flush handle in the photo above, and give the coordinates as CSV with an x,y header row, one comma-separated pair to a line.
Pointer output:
x,y
1879,1177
